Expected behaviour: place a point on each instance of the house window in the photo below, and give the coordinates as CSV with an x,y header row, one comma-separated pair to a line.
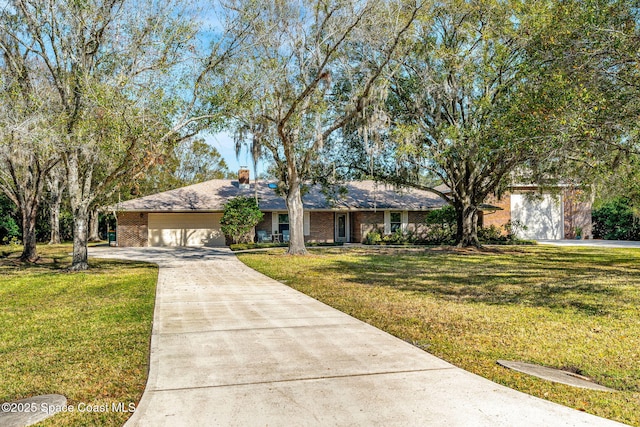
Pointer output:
x,y
395,221
283,222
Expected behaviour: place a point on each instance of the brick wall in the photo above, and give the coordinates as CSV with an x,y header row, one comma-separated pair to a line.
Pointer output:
x,y
417,217
577,213
265,223
132,229
497,218
322,227
363,222
416,221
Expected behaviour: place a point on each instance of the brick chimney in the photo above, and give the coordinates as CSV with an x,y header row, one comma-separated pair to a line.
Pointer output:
x,y
243,177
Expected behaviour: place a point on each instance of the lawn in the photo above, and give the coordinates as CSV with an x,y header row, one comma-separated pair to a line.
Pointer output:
x,y
571,308
83,335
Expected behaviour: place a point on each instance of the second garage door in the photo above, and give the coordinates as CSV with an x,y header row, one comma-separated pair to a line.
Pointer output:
x,y
185,229
541,214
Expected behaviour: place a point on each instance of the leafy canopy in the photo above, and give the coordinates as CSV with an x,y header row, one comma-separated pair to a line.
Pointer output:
x,y
240,215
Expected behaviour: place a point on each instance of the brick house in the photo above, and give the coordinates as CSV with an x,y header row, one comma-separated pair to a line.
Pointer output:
x,y
546,215
190,216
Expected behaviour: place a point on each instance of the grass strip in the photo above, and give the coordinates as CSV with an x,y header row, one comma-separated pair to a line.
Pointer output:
x,y
84,335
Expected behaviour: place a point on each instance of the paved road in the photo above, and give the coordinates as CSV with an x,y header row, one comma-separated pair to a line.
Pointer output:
x,y
592,243
231,347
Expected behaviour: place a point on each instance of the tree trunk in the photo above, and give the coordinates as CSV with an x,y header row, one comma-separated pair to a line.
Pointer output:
x,y
55,200
296,220
94,225
29,251
77,185
467,221
80,238
54,223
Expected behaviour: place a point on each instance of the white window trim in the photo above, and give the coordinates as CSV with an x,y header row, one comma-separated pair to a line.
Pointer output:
x,y
387,220
307,223
347,225
275,224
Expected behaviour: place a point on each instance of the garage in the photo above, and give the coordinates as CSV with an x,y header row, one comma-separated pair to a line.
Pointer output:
x,y
541,214
185,229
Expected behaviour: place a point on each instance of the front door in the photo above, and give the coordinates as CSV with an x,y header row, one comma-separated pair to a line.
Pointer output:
x,y
342,233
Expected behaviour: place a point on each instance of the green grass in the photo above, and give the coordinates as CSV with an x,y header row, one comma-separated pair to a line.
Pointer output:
x,y
571,308
83,335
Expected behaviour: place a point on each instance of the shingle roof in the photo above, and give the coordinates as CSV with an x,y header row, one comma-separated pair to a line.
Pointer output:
x,y
212,195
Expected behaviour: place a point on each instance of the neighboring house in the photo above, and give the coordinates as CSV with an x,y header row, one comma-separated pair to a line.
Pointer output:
x,y
190,216
546,215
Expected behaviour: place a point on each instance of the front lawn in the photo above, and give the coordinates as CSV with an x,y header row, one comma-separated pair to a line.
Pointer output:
x,y
571,308
83,335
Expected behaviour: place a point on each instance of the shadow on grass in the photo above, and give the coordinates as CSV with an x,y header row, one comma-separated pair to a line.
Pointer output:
x,y
585,281
59,264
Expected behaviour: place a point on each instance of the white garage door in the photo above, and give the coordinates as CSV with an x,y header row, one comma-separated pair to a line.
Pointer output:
x,y
541,214
185,229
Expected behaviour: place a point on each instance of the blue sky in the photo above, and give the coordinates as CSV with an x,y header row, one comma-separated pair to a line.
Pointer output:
x,y
210,19
223,142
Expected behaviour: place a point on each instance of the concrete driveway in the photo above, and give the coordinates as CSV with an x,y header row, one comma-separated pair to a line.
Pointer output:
x,y
231,347
592,243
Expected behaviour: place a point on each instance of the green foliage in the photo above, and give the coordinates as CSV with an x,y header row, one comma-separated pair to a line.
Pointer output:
x,y
400,237
240,215
9,228
464,106
439,228
491,233
374,237
66,226
293,94
589,48
188,162
615,220
377,236
498,90
445,216
505,235
578,232
438,234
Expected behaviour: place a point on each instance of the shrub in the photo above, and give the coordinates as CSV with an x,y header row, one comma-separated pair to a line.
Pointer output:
x,y
615,220
490,234
399,237
512,228
439,227
436,234
495,236
445,216
374,237
240,215
9,227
